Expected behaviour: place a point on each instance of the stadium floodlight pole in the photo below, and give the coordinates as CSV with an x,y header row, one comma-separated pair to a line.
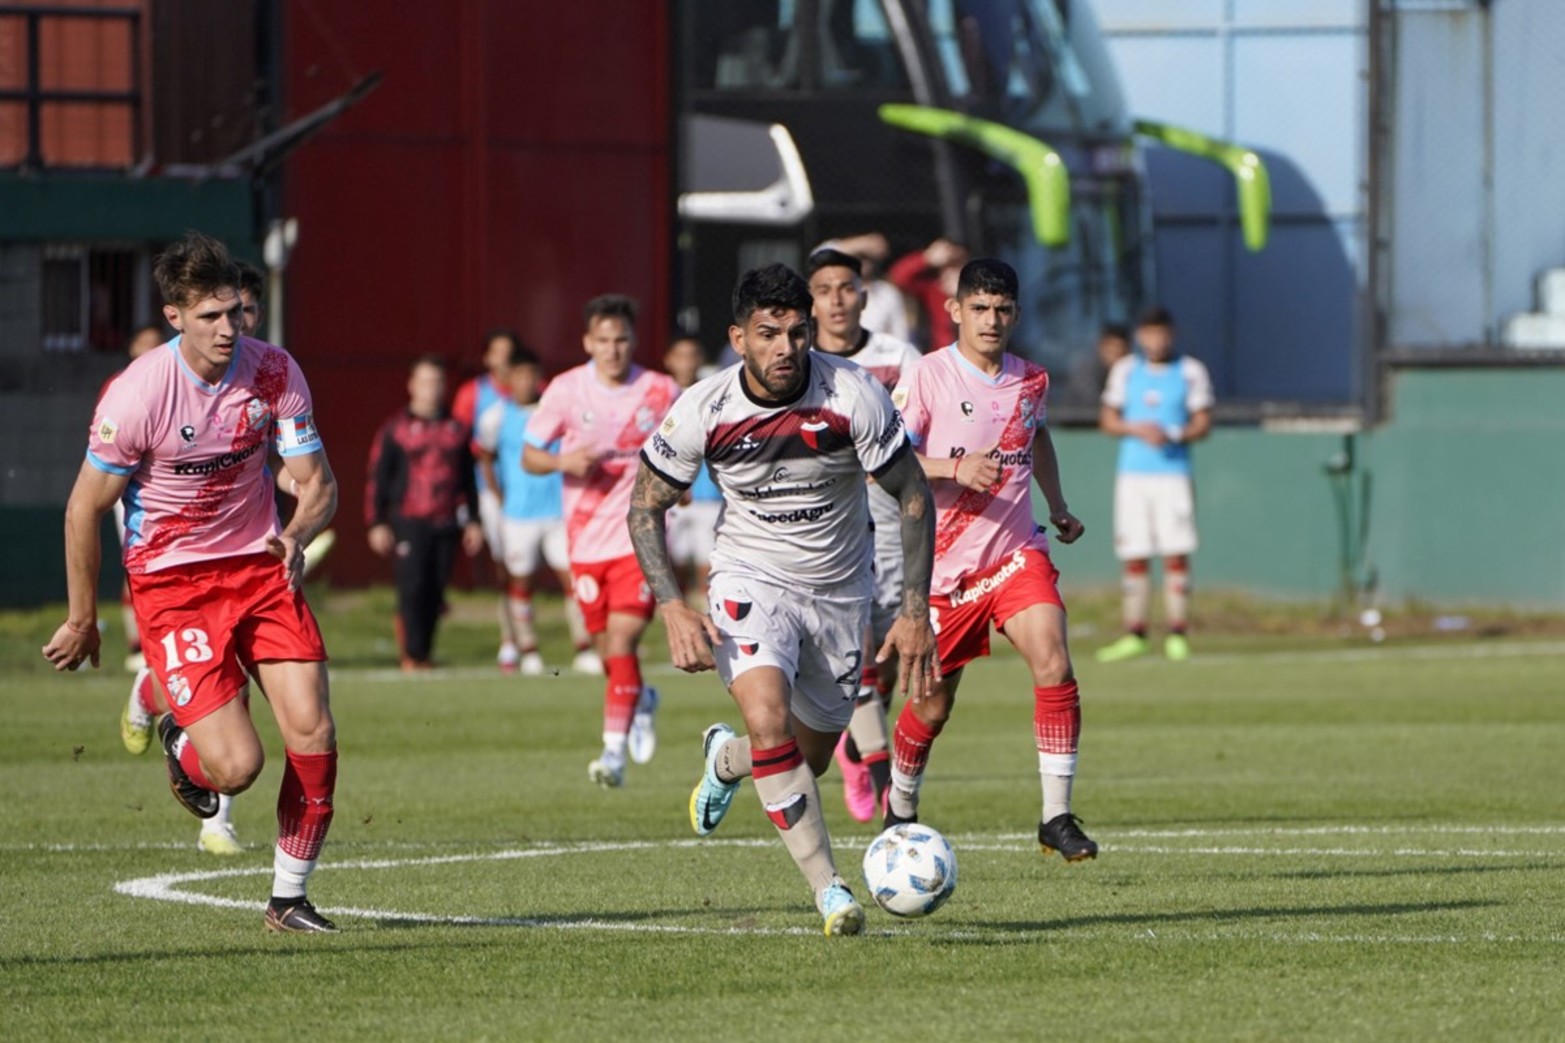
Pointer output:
x,y
280,239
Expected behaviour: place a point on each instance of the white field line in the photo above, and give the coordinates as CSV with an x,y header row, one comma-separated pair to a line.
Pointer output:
x,y
169,887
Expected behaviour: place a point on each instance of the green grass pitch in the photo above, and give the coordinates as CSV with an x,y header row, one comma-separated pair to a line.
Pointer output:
x,y
1300,841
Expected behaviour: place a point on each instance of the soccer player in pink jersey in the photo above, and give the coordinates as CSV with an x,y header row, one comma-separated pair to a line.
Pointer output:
x,y
837,292
789,435
602,412
977,415
182,438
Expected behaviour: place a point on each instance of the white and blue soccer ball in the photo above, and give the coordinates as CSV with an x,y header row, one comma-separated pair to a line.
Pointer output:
x,y
910,870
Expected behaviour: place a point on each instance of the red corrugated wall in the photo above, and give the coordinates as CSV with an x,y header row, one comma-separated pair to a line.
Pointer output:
x,y
514,162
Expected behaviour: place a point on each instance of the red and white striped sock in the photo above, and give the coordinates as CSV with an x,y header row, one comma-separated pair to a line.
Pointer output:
x,y
620,694
1057,730
304,812
909,757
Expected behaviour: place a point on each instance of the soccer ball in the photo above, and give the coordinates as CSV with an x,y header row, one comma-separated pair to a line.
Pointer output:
x,y
910,870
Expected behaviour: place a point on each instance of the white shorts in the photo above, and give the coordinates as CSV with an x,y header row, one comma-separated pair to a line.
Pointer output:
x,y
490,515
524,543
1154,516
817,641
692,530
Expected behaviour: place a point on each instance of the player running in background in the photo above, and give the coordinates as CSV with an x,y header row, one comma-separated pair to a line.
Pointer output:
x,y
182,437
601,412
470,402
977,415
790,435
1157,402
420,505
692,525
532,527
863,755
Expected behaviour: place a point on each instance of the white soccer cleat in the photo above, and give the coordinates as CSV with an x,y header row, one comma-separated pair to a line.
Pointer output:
x,y
607,771
219,839
532,665
840,910
507,659
135,721
643,737
587,662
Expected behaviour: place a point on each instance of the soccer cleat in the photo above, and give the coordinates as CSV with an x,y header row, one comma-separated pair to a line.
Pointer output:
x,y
606,773
135,663
1128,647
135,721
532,664
508,659
890,818
219,840
1063,833
201,803
841,910
297,917
858,789
587,662
643,737
711,798
1176,647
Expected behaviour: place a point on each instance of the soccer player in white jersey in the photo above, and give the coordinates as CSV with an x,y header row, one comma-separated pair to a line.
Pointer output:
x,y
789,434
601,413
977,415
837,292
182,437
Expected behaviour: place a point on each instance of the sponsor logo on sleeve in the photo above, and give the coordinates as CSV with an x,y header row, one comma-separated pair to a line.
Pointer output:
x,y
299,432
661,447
899,397
108,430
669,423
892,429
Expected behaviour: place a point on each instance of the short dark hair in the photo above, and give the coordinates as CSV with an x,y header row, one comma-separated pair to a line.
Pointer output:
x,y
429,358
1116,330
773,288
609,306
987,275
253,280
1156,315
520,354
830,257
195,267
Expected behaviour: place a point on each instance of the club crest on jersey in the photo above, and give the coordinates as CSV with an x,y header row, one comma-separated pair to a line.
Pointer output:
x,y
811,433
1026,407
108,430
179,688
967,411
749,647
645,419
257,413
586,418
736,610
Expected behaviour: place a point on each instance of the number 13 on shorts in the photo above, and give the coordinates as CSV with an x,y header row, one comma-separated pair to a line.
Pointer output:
x,y
190,645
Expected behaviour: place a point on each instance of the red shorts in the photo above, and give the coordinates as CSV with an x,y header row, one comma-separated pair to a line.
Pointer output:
x,y
616,585
203,625
962,618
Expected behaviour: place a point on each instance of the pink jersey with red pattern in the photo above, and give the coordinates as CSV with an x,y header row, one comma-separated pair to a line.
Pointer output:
x,y
951,409
196,452
581,410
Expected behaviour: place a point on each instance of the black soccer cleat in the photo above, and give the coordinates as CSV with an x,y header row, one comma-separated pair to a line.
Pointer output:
x,y
1063,833
298,916
890,818
201,803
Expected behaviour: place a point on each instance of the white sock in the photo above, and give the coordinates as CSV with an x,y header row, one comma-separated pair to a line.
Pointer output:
x,y
904,794
1056,771
289,874
224,816
614,747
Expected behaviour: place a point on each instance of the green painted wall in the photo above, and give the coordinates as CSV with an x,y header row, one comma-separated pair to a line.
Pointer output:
x,y
89,208
1467,497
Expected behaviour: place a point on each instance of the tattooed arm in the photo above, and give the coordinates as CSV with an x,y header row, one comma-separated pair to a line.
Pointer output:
x,y
690,634
911,634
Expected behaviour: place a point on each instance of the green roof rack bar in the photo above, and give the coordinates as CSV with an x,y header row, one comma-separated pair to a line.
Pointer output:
x,y
1042,170
1254,186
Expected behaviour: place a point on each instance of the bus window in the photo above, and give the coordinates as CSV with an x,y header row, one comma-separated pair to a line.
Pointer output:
x,y
1005,57
761,45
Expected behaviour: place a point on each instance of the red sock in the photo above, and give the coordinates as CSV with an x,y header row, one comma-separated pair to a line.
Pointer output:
x,y
147,694
776,760
191,762
1056,717
621,692
911,742
883,755
304,806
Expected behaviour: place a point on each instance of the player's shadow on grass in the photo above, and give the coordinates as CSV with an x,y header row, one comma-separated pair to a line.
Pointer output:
x,y
283,947
1218,917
